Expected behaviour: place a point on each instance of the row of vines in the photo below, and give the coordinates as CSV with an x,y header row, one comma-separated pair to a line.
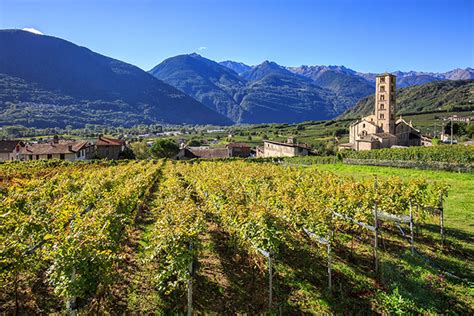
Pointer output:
x,y
68,225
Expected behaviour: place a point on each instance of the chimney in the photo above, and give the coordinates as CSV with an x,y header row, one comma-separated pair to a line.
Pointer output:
x,y
55,139
69,147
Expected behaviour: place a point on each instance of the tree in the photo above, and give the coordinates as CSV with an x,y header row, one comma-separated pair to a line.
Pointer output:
x,y
164,148
140,150
459,128
194,143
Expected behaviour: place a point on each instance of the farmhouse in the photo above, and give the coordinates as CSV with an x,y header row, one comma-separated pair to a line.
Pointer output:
x,y
202,152
231,150
109,148
65,150
239,150
10,149
277,149
381,130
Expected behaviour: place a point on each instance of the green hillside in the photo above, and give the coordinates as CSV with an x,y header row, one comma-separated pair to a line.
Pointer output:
x,y
431,97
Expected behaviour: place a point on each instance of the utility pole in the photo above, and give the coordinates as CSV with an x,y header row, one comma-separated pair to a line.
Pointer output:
x,y
451,129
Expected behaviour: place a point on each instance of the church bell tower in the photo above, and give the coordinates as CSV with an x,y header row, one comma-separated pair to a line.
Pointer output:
x,y
385,102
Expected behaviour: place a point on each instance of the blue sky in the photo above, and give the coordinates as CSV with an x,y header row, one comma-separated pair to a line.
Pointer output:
x,y
375,36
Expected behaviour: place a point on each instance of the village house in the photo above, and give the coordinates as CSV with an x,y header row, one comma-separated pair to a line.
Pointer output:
x,y
457,118
231,150
239,150
381,130
202,152
56,149
109,148
277,149
10,149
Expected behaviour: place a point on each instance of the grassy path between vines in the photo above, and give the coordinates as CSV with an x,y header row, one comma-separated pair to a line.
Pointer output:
x,y
132,251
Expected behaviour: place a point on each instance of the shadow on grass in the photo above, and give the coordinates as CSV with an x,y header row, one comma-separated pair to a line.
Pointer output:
x,y
306,263
245,288
426,292
452,257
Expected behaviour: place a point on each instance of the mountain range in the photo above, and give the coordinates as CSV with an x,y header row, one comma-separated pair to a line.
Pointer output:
x,y
48,82
269,92
264,93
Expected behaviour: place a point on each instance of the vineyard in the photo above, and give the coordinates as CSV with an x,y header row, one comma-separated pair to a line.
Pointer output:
x,y
460,154
222,237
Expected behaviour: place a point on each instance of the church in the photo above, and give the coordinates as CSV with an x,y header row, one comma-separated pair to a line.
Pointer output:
x,y
381,129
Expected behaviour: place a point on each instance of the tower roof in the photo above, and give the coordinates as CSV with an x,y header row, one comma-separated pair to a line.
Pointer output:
x,y
386,74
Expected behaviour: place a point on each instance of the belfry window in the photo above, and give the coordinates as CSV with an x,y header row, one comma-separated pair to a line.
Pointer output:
x,y
382,106
382,97
382,116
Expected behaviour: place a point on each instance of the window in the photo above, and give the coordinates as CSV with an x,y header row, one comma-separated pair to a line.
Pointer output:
x,y
382,106
382,88
382,97
37,157
61,156
363,125
382,116
50,156
382,80
364,133
78,154
30,157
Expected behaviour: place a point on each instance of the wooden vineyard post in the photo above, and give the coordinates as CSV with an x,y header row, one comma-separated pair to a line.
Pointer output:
x,y
330,237
267,254
376,231
412,240
71,307
329,261
190,285
441,218
270,283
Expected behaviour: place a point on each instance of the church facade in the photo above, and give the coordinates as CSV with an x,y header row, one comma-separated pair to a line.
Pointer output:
x,y
381,129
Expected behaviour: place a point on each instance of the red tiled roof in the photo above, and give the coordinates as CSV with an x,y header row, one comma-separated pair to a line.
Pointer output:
x,y
107,141
209,152
53,148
